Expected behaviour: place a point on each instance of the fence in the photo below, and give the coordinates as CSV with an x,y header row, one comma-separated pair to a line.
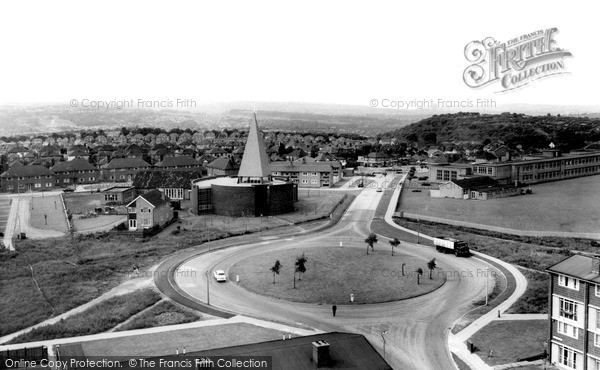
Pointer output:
x,y
28,354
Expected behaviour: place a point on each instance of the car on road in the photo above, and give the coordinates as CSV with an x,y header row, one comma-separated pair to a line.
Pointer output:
x,y
220,275
68,190
379,190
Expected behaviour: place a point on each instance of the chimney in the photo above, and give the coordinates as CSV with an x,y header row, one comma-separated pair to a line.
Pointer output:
x,y
320,353
596,264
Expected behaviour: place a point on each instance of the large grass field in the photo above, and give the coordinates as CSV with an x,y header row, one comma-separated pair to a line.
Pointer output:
x,y
71,272
568,205
333,273
495,337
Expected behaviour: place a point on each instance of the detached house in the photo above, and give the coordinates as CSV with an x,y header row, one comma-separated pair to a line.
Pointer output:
x,y
76,171
148,210
19,178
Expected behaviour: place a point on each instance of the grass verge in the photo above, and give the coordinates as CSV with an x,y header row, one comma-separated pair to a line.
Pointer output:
x,y
164,313
97,319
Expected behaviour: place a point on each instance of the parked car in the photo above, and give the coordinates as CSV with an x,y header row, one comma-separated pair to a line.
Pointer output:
x,y
68,190
425,184
416,190
220,275
379,190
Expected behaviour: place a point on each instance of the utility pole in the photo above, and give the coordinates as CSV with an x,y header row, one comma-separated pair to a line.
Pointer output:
x,y
418,230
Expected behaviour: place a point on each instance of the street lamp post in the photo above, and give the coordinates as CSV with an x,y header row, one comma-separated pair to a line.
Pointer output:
x,y
418,230
486,285
383,333
207,287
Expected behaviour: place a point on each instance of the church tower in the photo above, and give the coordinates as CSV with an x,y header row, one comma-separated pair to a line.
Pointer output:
x,y
255,168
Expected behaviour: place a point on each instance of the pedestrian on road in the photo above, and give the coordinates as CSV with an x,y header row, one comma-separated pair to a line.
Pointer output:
x,y
334,309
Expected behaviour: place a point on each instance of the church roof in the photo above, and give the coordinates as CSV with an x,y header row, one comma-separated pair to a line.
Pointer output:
x,y
255,162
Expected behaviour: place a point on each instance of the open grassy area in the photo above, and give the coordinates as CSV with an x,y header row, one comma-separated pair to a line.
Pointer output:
x,y
493,337
535,299
164,313
556,206
333,273
97,319
73,272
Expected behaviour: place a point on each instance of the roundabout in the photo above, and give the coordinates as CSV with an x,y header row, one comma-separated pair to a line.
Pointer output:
x,y
417,328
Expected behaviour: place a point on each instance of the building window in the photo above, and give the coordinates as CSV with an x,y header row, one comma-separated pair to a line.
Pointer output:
x,y
48,184
566,329
305,181
597,290
567,357
568,309
597,340
568,282
305,173
38,185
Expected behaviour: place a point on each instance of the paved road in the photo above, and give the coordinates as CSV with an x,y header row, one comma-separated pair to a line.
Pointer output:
x,y
417,328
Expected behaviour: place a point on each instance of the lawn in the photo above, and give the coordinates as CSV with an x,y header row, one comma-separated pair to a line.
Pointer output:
x,y
555,206
97,319
164,313
333,273
499,337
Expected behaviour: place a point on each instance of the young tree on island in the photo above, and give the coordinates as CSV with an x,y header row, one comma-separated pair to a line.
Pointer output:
x,y
300,267
431,265
419,273
394,243
371,240
275,269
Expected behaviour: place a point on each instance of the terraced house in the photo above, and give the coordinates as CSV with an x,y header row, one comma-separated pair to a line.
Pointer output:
x,y
19,178
73,172
574,325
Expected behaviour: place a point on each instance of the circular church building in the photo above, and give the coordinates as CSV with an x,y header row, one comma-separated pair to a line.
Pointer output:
x,y
252,192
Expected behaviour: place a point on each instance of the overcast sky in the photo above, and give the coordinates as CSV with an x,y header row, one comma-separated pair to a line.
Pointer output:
x,y
309,51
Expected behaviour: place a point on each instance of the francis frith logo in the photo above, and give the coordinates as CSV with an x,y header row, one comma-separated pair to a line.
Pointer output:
x,y
516,62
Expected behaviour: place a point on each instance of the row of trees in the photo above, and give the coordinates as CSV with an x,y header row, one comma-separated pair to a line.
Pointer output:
x,y
371,240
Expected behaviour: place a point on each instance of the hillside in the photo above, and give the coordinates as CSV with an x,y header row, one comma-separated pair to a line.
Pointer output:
x,y
566,132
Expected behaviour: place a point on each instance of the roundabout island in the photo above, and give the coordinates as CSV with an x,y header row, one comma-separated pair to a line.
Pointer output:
x,y
333,274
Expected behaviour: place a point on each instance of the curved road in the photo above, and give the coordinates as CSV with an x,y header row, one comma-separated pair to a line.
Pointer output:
x,y
417,328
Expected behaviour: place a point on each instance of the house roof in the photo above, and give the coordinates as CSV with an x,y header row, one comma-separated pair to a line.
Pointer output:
x,y
308,167
127,163
165,179
76,164
577,266
155,197
27,171
223,163
177,161
377,155
255,162
346,351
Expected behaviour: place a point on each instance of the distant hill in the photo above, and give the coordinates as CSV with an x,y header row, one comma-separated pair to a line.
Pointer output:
x,y
566,132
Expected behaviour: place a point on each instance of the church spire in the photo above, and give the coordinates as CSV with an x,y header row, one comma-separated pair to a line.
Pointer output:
x,y
255,166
